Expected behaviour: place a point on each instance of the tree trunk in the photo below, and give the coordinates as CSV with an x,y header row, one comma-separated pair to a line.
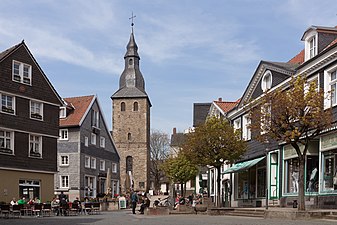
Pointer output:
x,y
218,181
301,183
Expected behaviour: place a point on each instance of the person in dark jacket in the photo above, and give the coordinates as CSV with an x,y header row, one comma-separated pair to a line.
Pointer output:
x,y
134,201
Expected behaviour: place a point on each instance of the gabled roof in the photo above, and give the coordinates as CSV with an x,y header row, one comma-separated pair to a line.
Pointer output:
x,y
9,51
298,59
80,108
226,106
287,69
319,29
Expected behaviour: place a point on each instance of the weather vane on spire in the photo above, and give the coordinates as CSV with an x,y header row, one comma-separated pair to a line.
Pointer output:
x,y
131,18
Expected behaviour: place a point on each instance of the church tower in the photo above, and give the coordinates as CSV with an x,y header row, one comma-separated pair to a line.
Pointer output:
x,y
131,123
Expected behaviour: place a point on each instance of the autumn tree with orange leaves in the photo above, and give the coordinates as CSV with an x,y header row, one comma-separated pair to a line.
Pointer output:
x,y
293,115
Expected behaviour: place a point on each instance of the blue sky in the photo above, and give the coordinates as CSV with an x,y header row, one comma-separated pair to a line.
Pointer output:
x,y
191,50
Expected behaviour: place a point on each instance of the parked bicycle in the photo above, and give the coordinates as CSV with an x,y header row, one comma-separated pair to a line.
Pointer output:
x,y
162,202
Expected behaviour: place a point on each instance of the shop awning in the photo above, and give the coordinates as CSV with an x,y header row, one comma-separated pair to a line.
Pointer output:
x,y
243,165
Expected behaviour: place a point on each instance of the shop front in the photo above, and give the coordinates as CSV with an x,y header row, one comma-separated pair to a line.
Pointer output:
x,y
291,174
328,171
250,181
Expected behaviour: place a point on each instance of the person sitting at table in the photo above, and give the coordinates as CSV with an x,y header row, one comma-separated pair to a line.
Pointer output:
x,y
55,205
78,203
22,201
145,204
14,202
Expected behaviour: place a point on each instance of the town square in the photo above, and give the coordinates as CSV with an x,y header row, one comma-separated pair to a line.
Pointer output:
x,y
168,112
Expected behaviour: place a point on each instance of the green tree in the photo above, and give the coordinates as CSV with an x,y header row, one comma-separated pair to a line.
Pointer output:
x,y
294,115
179,170
214,143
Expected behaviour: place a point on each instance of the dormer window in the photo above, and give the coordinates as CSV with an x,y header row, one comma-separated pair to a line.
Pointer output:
x,y
312,47
22,72
266,81
63,112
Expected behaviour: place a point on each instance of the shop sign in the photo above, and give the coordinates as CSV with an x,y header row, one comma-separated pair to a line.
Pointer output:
x,y
290,152
328,141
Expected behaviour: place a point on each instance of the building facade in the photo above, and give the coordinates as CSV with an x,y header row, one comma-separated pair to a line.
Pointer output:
x,y
29,109
268,173
131,123
87,156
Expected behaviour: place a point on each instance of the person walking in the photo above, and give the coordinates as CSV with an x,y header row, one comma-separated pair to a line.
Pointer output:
x,y
134,201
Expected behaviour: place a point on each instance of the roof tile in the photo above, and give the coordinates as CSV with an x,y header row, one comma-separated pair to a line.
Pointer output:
x,y
79,106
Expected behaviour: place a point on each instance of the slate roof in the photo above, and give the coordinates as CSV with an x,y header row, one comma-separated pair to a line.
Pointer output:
x,y
7,51
200,112
129,92
177,139
76,110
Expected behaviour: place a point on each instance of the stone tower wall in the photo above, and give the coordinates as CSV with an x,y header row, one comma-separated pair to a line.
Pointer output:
x,y
137,123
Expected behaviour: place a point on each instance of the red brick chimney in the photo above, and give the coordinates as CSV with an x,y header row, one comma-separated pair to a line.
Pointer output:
x,y
174,130
220,99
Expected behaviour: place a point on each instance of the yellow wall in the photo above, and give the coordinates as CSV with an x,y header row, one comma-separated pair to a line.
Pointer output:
x,y
9,184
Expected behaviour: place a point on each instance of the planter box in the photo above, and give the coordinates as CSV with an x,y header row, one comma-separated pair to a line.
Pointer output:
x,y
109,206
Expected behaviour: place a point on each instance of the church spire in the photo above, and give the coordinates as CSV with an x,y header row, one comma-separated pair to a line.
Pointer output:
x,y
131,81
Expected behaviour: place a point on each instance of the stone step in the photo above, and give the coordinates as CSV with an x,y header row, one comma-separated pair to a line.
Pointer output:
x,y
331,217
244,214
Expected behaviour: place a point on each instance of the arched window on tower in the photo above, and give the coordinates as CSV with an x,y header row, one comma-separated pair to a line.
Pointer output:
x,y
129,163
135,106
129,136
130,62
123,106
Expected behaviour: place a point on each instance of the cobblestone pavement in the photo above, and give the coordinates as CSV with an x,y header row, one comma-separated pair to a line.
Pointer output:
x,y
126,218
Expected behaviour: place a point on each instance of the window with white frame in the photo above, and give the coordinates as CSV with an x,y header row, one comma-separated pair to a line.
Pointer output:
x,y
246,133
237,124
22,72
7,103
312,80
93,163
312,47
64,160
63,112
86,141
95,118
90,186
93,139
64,181
330,87
102,142
35,146
6,142
87,162
114,168
63,134
36,110
266,82
102,165
265,118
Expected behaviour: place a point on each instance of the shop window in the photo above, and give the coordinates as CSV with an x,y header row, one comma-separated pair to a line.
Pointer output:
x,y
329,165
291,175
312,174
29,188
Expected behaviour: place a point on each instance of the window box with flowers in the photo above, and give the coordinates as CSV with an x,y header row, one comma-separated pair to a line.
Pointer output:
x,y
6,151
7,110
36,116
35,154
